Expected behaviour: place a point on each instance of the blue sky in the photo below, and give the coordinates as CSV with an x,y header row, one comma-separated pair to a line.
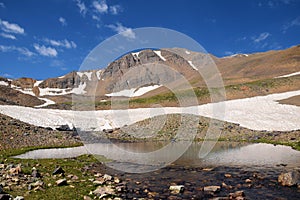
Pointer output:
x,y
50,38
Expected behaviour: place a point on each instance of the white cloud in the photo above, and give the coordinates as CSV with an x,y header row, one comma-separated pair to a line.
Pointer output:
x,y
62,43
6,75
261,37
275,3
228,53
2,5
82,7
10,27
294,22
8,36
101,6
45,51
62,21
125,31
116,9
95,17
21,50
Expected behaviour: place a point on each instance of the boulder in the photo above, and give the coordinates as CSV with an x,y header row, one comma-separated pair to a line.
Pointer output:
x,y
176,188
289,178
5,197
58,170
64,128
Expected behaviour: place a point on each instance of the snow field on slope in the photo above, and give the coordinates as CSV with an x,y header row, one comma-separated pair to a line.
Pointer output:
x,y
257,113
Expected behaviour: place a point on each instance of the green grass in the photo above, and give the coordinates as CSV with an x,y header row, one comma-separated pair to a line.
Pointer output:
x,y
6,153
72,166
295,145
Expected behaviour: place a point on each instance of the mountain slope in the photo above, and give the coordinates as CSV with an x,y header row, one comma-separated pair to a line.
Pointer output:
x,y
120,77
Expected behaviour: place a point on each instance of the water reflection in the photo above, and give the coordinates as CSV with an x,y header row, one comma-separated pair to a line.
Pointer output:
x,y
146,153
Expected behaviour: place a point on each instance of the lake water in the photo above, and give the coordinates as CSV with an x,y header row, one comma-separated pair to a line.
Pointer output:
x,y
148,156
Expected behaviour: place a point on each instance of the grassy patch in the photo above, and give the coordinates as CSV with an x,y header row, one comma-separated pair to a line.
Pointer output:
x,y
75,189
295,145
6,153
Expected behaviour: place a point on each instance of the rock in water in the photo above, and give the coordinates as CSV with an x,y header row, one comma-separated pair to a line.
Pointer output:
x,y
176,188
289,178
103,191
212,189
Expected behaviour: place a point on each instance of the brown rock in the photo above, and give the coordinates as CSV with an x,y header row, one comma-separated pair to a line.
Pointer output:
x,y
175,189
289,178
61,182
212,188
228,175
36,91
87,198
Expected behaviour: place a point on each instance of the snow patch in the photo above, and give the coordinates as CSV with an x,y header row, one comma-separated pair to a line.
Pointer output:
x,y
144,90
237,55
187,52
288,75
258,113
80,89
88,74
192,65
24,90
159,54
53,91
124,93
134,92
62,76
37,83
135,54
98,74
47,102
58,91
3,83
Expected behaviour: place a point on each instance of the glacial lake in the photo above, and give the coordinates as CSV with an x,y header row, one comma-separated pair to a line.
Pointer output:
x,y
130,156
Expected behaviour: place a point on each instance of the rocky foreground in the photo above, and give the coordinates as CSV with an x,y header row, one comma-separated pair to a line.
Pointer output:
x,y
93,180
85,177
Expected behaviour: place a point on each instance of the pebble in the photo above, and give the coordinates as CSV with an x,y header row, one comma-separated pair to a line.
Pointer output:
x,y
207,169
61,182
212,188
248,180
228,175
87,198
237,194
19,198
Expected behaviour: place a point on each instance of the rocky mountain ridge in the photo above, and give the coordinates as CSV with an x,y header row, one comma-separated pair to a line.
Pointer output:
x,y
102,83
